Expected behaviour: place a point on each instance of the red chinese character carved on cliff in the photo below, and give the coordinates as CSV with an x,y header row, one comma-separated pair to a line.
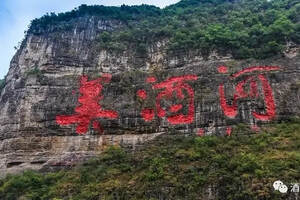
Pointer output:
x,y
90,109
252,80
172,87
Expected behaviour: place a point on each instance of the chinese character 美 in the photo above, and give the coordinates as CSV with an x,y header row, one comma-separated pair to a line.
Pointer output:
x,y
90,109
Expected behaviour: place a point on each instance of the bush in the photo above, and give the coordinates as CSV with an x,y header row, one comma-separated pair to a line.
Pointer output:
x,y
35,72
175,167
2,84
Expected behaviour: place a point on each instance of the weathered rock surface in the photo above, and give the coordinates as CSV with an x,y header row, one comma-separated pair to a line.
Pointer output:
x,y
44,82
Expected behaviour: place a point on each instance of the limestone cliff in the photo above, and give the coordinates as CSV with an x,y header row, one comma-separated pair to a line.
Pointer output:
x,y
45,81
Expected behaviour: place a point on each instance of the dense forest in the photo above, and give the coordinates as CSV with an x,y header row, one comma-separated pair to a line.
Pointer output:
x,y
243,166
243,28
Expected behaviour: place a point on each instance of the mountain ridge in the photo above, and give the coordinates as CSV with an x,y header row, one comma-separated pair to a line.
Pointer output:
x,y
149,78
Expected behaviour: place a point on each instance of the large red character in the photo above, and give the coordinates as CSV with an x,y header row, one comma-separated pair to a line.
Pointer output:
x,y
90,109
173,86
231,110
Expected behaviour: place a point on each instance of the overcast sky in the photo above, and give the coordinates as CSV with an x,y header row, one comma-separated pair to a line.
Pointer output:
x,y
15,16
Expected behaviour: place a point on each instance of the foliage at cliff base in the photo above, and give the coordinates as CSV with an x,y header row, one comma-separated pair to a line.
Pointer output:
x,y
243,166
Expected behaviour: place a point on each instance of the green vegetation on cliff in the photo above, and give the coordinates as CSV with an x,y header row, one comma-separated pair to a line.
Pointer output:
x,y
123,13
2,84
176,167
243,28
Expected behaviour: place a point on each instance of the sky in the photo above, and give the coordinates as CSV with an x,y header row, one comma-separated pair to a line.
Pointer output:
x,y
15,16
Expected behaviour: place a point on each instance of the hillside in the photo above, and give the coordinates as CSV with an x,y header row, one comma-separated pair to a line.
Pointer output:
x,y
172,166
199,100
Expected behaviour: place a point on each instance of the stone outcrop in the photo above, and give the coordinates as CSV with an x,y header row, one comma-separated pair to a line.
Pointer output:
x,y
44,82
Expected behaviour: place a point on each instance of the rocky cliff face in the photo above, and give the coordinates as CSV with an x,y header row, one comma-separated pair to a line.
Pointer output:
x,y
52,113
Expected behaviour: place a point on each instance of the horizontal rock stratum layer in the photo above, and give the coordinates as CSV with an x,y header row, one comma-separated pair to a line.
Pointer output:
x,y
43,83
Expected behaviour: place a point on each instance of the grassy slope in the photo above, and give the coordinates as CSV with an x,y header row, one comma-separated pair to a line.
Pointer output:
x,y
176,167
